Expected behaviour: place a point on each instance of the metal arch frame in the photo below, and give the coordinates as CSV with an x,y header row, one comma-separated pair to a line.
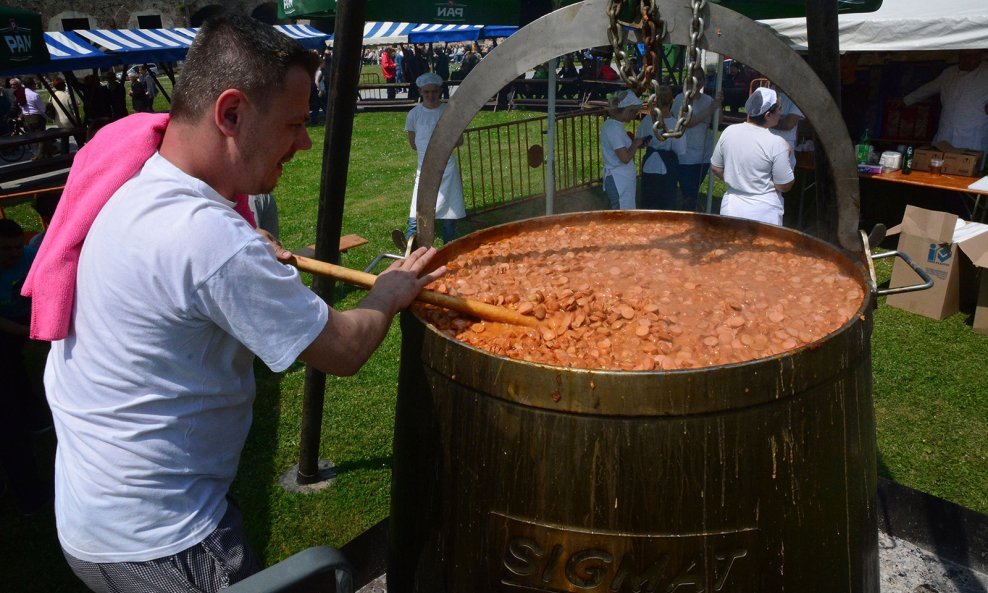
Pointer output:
x,y
583,25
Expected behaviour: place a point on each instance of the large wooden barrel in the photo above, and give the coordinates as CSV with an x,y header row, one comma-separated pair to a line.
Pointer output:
x,y
758,476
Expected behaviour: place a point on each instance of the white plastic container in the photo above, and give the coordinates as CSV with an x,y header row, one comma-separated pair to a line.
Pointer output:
x,y
891,160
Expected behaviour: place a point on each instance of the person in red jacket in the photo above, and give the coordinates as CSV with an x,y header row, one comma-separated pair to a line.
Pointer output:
x,y
388,69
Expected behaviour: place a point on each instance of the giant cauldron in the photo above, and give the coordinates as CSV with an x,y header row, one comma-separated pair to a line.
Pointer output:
x,y
757,476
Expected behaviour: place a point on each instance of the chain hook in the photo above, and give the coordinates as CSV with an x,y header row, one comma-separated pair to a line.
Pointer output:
x,y
652,30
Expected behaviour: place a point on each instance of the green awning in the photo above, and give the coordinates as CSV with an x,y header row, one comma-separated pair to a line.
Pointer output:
x,y
22,39
514,12
465,12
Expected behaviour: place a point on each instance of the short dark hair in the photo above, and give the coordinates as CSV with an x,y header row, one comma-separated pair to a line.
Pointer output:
x,y
236,52
760,119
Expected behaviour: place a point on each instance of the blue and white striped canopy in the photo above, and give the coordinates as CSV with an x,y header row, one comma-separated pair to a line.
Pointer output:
x,y
68,51
169,45
308,36
385,32
135,46
434,33
380,33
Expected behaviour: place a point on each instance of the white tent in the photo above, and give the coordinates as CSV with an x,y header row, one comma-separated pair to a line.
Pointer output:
x,y
903,25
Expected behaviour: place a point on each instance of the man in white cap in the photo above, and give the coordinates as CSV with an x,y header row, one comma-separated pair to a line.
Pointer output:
x,y
420,124
620,179
754,162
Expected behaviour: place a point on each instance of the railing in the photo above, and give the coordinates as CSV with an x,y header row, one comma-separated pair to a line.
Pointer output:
x,y
503,163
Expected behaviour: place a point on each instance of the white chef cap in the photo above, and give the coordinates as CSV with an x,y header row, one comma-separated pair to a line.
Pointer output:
x,y
630,99
760,101
427,79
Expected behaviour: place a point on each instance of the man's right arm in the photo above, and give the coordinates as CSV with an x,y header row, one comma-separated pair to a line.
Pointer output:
x,y
350,337
927,90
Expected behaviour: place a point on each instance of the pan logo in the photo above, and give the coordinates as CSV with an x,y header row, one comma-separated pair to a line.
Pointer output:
x,y
451,12
18,42
939,254
288,6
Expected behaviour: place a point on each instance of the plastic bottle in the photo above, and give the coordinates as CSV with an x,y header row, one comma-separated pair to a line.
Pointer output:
x,y
863,147
907,161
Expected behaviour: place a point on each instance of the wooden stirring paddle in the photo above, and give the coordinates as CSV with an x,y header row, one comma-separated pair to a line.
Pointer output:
x,y
461,305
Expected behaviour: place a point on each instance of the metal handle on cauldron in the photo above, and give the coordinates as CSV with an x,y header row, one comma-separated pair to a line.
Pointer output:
x,y
927,281
476,309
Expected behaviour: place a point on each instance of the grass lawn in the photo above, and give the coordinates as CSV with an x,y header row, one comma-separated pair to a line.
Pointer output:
x,y
931,393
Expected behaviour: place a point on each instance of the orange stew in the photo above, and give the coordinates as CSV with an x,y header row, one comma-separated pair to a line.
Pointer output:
x,y
646,296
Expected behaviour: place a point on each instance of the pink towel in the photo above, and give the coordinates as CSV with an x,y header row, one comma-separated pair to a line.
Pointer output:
x,y
114,155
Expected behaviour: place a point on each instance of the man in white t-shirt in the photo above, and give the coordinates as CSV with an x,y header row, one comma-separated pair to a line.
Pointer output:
x,y
175,294
693,165
754,162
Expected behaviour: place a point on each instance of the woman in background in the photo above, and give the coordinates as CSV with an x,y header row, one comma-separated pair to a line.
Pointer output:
x,y
754,162
620,180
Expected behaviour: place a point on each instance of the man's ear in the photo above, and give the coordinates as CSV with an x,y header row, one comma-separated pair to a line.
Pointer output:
x,y
228,112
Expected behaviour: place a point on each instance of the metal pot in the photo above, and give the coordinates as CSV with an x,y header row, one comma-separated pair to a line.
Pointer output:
x,y
758,476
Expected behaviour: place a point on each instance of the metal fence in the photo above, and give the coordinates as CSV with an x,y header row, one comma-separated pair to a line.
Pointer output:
x,y
503,163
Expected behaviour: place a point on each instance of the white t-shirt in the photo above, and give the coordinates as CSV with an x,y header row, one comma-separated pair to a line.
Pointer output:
x,y
787,107
449,204
699,140
754,161
152,389
654,165
963,120
612,137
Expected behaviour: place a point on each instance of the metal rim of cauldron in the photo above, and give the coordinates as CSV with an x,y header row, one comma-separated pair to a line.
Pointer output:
x,y
670,392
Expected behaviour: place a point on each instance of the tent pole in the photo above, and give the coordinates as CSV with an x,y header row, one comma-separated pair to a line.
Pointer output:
x,y
550,142
341,110
823,41
715,125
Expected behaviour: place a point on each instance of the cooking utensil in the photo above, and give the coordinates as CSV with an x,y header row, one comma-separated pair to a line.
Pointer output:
x,y
461,305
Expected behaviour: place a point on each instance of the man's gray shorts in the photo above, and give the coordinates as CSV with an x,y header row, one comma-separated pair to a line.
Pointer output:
x,y
223,558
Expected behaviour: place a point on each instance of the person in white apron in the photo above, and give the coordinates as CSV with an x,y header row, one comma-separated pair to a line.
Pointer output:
x,y
754,162
620,179
420,123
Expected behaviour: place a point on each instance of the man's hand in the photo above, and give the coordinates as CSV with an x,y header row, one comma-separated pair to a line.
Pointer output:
x,y
398,286
280,252
350,337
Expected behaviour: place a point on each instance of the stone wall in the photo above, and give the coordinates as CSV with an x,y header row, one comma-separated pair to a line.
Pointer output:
x,y
123,14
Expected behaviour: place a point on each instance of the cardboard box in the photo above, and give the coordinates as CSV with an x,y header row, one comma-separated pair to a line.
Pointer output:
x,y
981,309
922,156
961,162
935,241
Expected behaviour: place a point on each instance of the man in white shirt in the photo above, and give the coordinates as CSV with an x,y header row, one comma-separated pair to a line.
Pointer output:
x,y
963,91
175,294
695,163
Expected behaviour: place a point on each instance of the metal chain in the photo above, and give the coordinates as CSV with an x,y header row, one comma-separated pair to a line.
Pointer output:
x,y
691,83
646,83
640,83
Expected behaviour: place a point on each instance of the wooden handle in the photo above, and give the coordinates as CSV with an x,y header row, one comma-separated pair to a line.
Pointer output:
x,y
461,305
